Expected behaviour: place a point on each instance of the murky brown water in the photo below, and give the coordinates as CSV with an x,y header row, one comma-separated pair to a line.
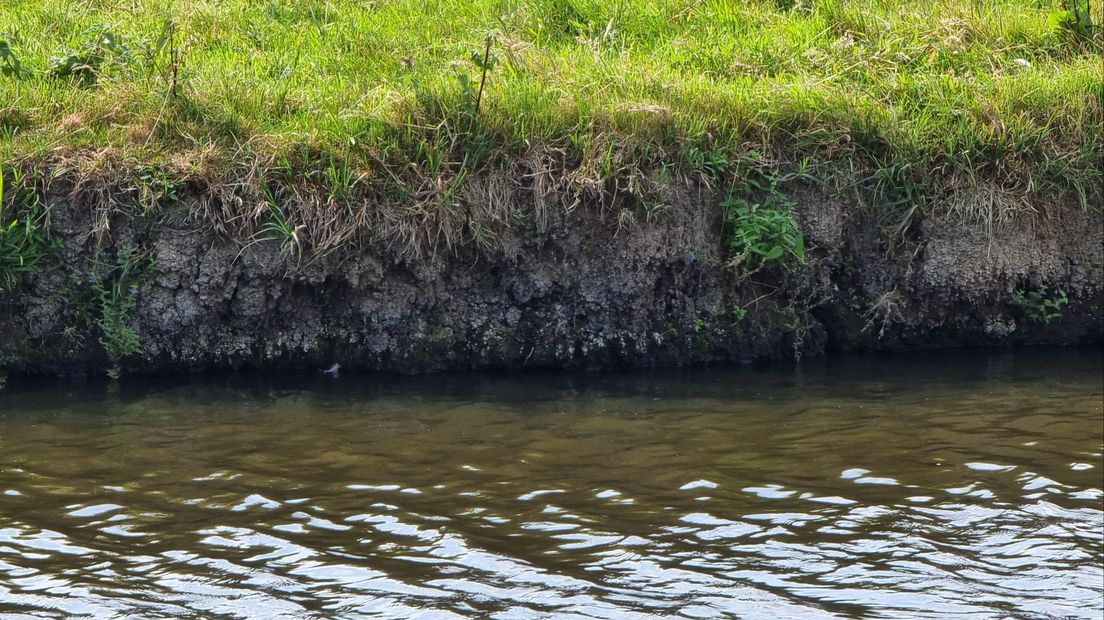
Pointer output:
x,y
956,485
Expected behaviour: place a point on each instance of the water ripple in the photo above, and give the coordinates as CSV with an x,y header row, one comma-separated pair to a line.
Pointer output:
x,y
848,498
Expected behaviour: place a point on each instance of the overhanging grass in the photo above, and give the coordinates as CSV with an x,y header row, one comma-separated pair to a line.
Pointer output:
x,y
899,99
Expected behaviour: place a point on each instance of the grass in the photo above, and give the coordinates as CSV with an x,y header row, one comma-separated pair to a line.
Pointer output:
x,y
415,123
25,244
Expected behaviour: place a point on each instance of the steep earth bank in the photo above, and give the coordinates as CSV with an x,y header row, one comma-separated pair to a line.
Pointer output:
x,y
575,287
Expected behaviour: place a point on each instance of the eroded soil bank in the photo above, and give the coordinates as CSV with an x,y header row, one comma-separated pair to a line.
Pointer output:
x,y
565,286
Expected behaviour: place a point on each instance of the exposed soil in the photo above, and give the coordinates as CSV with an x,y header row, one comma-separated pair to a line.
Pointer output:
x,y
586,289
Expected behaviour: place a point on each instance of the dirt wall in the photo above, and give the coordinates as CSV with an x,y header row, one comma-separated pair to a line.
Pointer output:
x,y
588,288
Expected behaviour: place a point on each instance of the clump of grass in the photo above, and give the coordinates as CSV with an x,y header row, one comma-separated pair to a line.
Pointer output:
x,y
903,106
280,228
25,243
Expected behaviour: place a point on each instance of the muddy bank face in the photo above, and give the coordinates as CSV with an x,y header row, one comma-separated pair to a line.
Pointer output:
x,y
580,288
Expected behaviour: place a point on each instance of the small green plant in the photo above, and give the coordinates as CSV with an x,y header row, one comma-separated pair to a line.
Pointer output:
x,y
471,96
484,64
522,220
844,265
712,162
156,187
116,287
9,62
340,179
1040,306
164,58
25,244
1075,18
699,325
761,232
739,313
12,123
433,154
84,66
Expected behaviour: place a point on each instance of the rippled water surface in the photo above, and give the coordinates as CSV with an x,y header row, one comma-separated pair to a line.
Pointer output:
x,y
954,485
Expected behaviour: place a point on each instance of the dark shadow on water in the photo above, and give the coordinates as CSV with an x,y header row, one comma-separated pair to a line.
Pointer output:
x,y
868,375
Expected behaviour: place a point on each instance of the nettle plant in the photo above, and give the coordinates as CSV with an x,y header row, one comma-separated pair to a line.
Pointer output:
x,y
760,228
1039,304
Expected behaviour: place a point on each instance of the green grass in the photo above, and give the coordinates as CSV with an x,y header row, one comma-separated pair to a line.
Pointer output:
x,y
25,243
893,101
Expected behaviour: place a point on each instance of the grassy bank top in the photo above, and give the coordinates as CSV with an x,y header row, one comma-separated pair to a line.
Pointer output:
x,y
943,92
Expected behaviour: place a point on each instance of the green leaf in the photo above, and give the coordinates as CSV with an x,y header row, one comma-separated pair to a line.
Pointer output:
x,y
1058,19
9,62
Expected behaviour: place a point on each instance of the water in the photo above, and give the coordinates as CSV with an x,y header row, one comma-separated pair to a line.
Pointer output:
x,y
954,485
